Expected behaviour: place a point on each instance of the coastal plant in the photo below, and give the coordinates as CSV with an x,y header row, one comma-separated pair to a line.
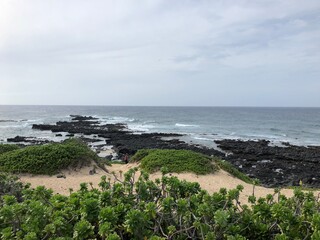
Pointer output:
x,y
7,148
140,154
47,159
9,184
175,161
167,208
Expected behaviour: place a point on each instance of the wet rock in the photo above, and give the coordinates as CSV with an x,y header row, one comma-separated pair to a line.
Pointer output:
x,y
291,162
17,139
30,140
82,118
108,157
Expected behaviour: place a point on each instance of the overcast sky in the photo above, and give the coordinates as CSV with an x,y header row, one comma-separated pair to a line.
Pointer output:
x,y
191,53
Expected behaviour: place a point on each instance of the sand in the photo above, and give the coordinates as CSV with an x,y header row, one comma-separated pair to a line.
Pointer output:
x,y
211,182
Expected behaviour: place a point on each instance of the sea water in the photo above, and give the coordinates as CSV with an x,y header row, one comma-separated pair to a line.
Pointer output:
x,y
202,125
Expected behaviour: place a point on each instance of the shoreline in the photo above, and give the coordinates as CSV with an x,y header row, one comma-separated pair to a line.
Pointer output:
x,y
274,166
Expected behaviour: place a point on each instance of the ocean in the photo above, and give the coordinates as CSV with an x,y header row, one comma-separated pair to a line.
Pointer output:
x,y
201,125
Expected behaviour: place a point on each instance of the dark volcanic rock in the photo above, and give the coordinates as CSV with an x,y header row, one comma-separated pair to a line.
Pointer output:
x,y
32,140
123,140
274,165
130,143
82,118
81,127
17,139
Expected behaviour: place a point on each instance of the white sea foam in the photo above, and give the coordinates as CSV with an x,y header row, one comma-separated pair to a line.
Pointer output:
x,y
31,120
118,119
14,126
203,138
186,125
140,127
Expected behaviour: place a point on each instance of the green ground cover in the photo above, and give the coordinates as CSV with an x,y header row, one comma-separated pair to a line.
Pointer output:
x,y
167,208
7,148
47,159
174,161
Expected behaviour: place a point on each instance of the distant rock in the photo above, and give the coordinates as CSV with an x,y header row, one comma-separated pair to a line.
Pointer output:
x,y
82,118
5,120
32,140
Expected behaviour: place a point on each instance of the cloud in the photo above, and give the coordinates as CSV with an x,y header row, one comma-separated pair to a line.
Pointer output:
x,y
182,48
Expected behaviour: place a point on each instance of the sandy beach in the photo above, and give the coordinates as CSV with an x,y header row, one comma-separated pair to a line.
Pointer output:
x,y
211,182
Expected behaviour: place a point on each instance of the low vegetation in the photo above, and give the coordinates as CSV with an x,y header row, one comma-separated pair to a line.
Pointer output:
x,y
228,167
174,161
167,208
47,159
7,148
10,185
140,154
185,161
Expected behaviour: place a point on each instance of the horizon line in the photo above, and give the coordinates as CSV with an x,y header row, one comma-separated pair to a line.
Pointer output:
x,y
204,106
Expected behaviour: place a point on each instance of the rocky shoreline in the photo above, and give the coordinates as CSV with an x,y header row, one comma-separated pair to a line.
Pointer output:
x,y
274,166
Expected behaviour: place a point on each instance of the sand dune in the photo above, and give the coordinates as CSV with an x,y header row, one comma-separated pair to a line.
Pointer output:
x,y
210,182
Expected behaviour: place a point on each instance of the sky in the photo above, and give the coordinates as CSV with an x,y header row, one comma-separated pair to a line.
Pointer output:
x,y
160,53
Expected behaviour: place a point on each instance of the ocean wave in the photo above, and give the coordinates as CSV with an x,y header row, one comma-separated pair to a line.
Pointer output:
x,y
13,126
141,127
203,139
185,125
150,121
119,119
262,136
31,120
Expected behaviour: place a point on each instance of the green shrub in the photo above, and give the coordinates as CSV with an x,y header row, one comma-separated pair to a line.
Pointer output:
x,y
167,208
47,159
141,154
10,185
175,161
7,148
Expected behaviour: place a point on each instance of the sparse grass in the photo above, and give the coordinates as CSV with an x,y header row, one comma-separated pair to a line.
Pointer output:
x,y
47,159
174,161
226,166
303,188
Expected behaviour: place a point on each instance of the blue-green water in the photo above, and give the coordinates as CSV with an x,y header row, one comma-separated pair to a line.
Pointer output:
x,y
300,126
